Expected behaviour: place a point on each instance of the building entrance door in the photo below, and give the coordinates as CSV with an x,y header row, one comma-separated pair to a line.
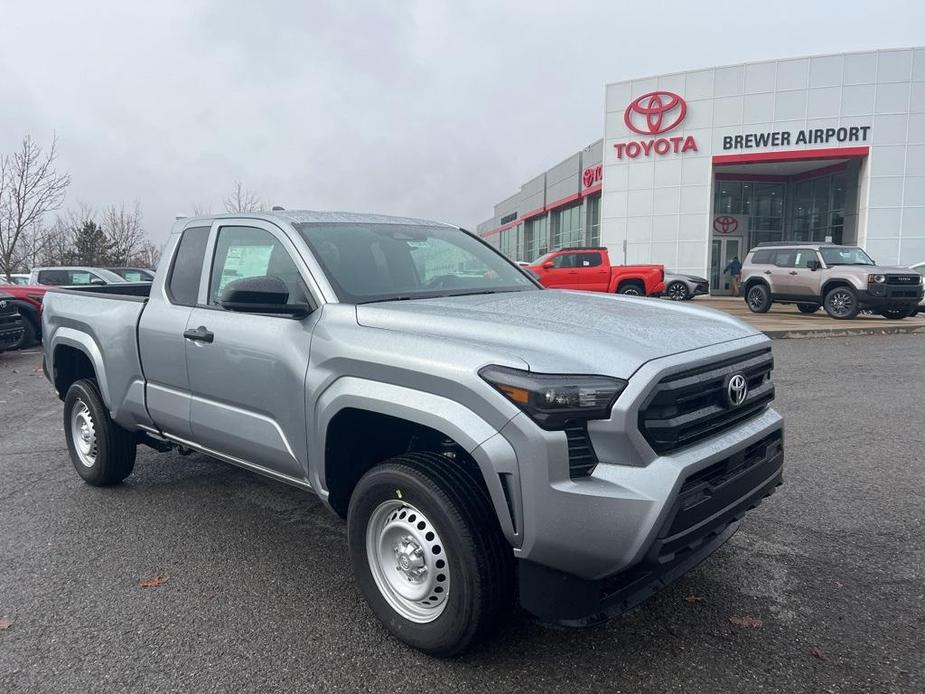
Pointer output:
x,y
722,250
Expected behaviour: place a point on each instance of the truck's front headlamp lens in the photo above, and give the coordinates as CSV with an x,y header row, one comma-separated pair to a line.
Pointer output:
x,y
876,279
551,400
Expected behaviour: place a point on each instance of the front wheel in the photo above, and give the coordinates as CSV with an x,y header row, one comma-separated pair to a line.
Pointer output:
x,y
678,291
103,453
758,298
428,553
842,303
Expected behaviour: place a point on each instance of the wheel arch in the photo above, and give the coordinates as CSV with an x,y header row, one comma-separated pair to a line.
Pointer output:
x,y
74,355
393,420
829,285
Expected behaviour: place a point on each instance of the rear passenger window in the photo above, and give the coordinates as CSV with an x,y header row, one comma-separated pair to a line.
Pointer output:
x,y
183,283
784,258
589,259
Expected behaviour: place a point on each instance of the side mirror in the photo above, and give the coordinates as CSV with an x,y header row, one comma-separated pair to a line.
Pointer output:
x,y
96,282
549,264
260,295
813,265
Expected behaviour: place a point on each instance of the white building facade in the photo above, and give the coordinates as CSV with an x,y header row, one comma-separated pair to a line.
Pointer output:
x,y
697,167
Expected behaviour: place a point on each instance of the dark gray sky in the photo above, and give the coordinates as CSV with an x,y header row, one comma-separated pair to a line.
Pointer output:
x,y
426,108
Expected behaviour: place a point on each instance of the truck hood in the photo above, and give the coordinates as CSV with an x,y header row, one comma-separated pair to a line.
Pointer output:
x,y
557,331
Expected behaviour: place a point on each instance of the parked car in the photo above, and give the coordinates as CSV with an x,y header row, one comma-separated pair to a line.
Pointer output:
x,y
133,274
15,278
28,301
73,276
11,325
920,268
684,287
590,269
483,437
842,279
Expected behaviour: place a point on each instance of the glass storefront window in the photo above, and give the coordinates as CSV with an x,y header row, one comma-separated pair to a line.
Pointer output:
x,y
535,238
594,220
566,227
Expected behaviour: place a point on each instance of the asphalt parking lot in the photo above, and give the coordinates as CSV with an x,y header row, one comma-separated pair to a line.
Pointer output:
x,y
822,590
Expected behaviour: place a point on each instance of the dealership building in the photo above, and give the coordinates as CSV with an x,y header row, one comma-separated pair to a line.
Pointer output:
x,y
697,167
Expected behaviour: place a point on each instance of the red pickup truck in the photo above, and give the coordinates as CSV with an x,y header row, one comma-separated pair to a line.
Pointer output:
x,y
590,269
27,298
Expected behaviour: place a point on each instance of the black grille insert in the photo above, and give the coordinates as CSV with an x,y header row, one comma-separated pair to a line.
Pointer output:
x,y
690,406
902,279
581,455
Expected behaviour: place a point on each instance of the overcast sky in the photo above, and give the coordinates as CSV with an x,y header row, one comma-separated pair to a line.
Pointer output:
x,y
428,108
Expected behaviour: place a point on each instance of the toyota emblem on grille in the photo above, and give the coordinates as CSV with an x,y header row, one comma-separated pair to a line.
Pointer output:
x,y
736,390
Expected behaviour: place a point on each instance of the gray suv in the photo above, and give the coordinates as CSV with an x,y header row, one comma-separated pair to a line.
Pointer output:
x,y
487,440
841,279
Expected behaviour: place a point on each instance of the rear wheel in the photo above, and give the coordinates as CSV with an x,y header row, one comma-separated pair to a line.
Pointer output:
x,y
842,303
427,552
103,453
632,289
758,298
808,308
678,291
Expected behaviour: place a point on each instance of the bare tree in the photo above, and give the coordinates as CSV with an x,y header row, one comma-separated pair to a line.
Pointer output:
x,y
147,256
243,200
123,227
30,187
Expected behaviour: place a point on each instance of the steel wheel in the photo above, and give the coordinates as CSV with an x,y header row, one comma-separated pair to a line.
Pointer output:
x,y
83,434
408,561
841,303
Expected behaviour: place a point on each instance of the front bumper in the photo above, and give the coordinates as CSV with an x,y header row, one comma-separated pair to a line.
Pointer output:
x,y
881,296
605,523
700,288
703,516
11,330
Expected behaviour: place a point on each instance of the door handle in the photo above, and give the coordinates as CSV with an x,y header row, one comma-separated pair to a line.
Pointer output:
x,y
767,272
200,334
793,272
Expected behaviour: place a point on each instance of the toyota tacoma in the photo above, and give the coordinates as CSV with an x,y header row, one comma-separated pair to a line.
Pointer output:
x,y
487,441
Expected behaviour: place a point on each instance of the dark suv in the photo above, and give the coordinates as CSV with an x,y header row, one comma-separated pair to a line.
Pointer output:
x,y
11,326
842,279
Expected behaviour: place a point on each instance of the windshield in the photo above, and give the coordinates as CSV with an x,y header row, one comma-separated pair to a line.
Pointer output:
x,y
845,256
383,262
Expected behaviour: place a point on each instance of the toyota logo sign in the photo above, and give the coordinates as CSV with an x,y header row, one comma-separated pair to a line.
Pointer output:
x,y
736,390
592,175
655,113
725,224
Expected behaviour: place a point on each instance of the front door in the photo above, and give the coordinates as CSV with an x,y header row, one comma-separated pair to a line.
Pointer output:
x,y
564,272
247,373
722,250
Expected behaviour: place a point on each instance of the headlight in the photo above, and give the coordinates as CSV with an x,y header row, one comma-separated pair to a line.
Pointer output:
x,y
551,400
876,279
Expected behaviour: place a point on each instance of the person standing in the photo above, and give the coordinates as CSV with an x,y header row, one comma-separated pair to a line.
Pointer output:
x,y
734,268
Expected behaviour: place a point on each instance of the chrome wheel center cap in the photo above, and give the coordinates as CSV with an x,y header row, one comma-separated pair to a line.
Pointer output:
x,y
409,559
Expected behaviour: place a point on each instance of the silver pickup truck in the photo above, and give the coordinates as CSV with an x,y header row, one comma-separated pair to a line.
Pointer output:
x,y
487,441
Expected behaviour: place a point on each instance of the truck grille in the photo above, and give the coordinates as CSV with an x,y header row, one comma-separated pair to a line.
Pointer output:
x,y
581,455
902,279
691,405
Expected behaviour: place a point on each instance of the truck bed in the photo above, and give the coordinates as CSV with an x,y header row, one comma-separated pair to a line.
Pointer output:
x,y
102,322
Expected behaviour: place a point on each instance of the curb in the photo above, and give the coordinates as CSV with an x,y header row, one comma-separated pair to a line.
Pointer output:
x,y
844,332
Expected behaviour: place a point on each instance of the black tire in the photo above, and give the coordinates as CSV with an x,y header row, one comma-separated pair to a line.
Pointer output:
x,y
29,334
758,298
678,291
841,303
808,308
632,288
112,447
479,560
899,313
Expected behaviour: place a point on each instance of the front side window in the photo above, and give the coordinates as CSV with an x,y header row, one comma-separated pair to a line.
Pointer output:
x,y
845,255
248,252
382,262
565,260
